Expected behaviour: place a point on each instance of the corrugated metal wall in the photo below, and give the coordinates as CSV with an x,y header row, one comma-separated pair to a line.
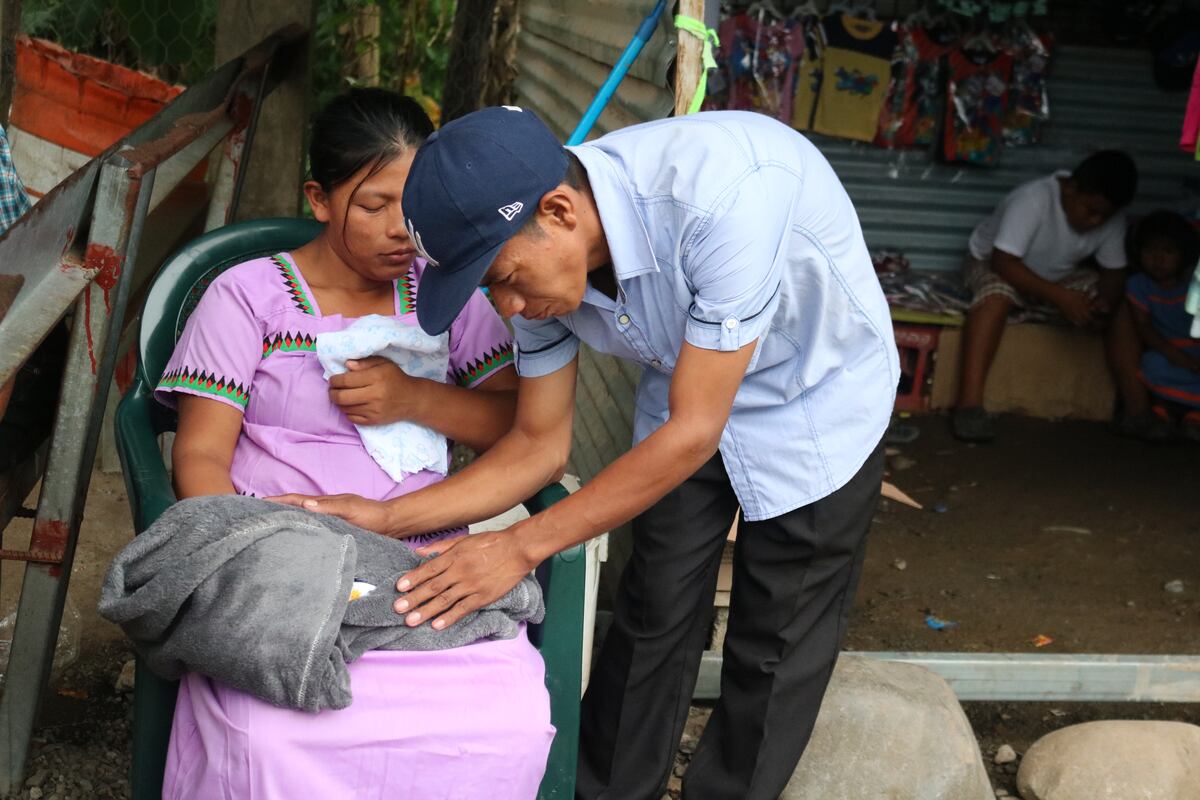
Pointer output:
x,y
565,51
1098,98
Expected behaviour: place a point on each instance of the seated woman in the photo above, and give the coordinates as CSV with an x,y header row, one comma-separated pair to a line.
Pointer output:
x,y
257,417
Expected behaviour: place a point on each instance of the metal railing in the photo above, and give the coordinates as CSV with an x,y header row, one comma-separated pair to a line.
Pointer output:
x,y
93,243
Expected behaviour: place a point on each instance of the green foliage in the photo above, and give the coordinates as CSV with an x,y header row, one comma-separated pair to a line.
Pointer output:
x,y
414,43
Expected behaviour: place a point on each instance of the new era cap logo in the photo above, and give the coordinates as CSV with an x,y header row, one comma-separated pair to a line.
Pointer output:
x,y
416,240
511,210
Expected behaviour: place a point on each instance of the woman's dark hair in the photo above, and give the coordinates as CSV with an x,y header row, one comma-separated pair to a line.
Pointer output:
x,y
1168,226
364,127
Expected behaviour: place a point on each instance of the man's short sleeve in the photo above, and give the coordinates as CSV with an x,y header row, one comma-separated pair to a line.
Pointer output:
x,y
480,345
1111,253
543,346
219,351
736,262
1020,218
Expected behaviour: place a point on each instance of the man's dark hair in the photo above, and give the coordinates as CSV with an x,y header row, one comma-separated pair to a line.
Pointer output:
x,y
1110,174
575,177
1168,226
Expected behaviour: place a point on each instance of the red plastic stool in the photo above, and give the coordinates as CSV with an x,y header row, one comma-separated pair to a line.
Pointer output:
x,y
917,345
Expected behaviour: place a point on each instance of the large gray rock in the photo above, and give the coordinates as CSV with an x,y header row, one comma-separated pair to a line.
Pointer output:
x,y
889,731
1114,760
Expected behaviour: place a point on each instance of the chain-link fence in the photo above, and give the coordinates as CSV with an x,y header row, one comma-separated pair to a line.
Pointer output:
x,y
398,44
171,39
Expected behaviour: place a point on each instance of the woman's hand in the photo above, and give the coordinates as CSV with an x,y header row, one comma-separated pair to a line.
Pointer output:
x,y
374,392
371,515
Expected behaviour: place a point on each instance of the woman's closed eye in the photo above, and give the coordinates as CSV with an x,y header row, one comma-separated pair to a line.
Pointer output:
x,y
372,209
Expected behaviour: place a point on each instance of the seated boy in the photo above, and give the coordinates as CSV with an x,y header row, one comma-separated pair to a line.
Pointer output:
x,y
1028,254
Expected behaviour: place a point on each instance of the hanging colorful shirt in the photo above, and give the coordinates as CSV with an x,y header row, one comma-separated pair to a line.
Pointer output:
x,y
1028,104
977,98
1191,116
809,74
915,104
760,58
857,68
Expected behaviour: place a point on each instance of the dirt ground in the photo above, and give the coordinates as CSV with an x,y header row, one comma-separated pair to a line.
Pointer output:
x,y
1058,529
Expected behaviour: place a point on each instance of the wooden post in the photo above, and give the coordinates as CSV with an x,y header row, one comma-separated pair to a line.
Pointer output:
x,y
501,70
689,68
362,43
467,62
272,186
10,26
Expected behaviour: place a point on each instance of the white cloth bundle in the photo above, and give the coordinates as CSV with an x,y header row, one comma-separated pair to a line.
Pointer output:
x,y
400,448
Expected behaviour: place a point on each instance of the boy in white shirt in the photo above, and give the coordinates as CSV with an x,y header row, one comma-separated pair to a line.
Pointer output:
x,y
1028,255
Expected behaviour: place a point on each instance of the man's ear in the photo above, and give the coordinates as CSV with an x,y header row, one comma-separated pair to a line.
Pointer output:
x,y
558,207
318,200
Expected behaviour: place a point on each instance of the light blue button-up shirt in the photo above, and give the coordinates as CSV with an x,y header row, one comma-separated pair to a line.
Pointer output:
x,y
727,228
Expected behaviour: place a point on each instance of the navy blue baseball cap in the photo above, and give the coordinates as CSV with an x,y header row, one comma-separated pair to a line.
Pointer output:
x,y
472,185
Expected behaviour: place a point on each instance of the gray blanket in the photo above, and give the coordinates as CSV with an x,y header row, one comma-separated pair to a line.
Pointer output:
x,y
257,595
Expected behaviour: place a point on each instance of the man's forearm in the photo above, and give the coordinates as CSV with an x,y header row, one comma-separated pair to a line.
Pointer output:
x,y
511,471
475,417
624,489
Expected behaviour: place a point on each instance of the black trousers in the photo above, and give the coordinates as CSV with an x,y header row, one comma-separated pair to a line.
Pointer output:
x,y
793,583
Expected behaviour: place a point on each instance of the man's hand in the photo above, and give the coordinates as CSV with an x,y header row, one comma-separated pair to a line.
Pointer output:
x,y
468,573
375,391
1076,306
371,515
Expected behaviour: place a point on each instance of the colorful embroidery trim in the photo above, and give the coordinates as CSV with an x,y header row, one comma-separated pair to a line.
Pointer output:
x,y
406,287
482,367
292,284
288,343
217,385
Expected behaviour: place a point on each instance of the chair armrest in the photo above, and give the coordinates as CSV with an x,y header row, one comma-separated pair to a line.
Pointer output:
x,y
560,639
545,498
146,479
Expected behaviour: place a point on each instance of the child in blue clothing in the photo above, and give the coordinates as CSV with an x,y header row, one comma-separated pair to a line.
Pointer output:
x,y
1166,248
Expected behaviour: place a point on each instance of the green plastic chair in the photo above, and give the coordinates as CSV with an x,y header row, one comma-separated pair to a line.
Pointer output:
x,y
139,422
